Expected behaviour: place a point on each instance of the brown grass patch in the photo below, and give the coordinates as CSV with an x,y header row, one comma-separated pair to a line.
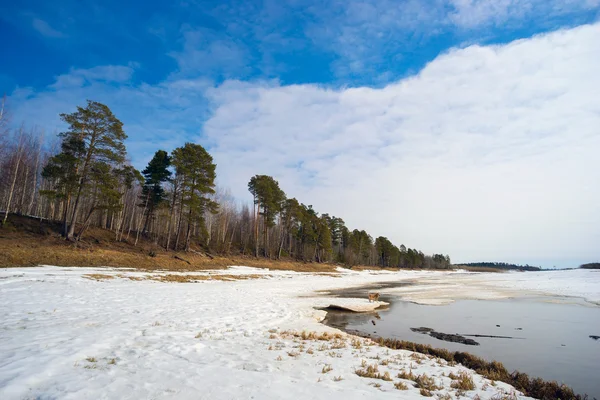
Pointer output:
x,y
27,242
198,278
98,277
400,386
494,370
372,371
463,381
407,375
426,382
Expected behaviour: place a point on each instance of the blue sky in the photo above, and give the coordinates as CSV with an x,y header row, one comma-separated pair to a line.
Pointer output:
x,y
335,43
459,93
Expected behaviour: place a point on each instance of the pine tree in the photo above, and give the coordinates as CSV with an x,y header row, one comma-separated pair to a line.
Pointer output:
x,y
196,169
92,146
269,198
153,194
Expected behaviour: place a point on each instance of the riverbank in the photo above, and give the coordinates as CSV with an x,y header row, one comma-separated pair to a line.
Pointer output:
x,y
236,333
438,289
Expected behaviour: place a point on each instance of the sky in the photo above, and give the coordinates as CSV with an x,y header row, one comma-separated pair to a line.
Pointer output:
x,y
464,127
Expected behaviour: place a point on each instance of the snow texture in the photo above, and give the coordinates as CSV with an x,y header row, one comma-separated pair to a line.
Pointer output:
x,y
64,335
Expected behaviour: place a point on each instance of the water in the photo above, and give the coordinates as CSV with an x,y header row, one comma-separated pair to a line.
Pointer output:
x,y
553,342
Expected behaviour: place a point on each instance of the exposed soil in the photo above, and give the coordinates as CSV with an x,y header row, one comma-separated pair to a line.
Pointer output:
x,y
27,242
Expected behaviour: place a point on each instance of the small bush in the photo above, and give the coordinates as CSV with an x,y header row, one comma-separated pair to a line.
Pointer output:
x,y
464,381
494,371
326,369
425,392
426,382
400,386
408,376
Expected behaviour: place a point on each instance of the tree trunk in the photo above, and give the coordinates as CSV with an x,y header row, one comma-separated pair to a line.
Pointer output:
x,y
137,235
12,189
14,180
171,217
256,228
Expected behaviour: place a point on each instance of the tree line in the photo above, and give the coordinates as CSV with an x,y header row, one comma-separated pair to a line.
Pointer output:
x,y
594,265
501,265
84,179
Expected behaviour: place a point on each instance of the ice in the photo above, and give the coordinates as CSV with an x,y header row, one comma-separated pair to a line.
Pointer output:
x,y
69,337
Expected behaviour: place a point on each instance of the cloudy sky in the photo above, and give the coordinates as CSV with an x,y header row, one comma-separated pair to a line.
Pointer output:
x,y
467,127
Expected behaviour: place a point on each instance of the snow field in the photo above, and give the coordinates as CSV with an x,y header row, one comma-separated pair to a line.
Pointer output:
x,y
66,336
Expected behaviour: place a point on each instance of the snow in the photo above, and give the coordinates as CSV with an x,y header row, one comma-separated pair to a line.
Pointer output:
x,y
66,336
444,289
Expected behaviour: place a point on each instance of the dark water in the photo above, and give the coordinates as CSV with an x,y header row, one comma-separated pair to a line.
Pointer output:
x,y
553,342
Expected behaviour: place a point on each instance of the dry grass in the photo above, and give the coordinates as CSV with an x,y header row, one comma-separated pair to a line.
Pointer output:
x,y
326,369
425,393
407,375
27,242
463,381
400,386
91,359
98,277
501,395
372,371
337,378
426,382
197,278
494,370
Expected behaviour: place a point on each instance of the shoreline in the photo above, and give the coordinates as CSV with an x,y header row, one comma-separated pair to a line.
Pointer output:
x,y
492,369
236,323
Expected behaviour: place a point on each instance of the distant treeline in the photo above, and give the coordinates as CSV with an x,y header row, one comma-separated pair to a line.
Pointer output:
x,y
590,266
85,180
502,265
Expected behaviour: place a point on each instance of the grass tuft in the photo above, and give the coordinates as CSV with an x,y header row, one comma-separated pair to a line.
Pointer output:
x,y
327,368
407,375
494,371
400,386
463,381
426,382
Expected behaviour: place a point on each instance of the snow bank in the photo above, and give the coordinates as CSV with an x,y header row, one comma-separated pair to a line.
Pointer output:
x,y
65,336
444,289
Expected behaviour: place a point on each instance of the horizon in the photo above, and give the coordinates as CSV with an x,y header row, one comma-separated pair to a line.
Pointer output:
x,y
470,128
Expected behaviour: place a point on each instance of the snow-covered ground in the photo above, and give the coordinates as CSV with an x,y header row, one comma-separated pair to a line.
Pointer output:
x,y
63,335
441,289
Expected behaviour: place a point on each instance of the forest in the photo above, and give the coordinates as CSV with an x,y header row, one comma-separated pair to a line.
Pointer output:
x,y
83,178
501,265
594,265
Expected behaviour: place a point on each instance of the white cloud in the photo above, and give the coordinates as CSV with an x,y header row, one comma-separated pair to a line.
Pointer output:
x,y
488,153
204,52
371,37
106,73
477,13
45,29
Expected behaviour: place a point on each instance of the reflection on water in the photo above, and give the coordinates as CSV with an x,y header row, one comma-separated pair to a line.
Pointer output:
x,y
549,340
